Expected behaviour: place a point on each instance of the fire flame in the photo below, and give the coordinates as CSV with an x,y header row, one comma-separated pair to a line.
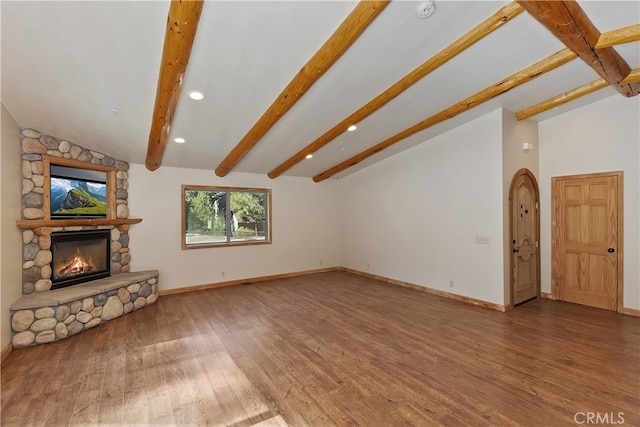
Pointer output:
x,y
77,265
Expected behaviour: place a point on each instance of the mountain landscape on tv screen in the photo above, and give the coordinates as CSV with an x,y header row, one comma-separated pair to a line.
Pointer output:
x,y
70,197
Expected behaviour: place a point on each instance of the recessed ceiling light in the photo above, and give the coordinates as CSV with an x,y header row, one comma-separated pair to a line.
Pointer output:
x,y
308,156
113,112
194,94
180,140
352,128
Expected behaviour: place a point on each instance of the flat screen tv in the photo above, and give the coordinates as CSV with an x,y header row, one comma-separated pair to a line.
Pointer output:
x,y
78,193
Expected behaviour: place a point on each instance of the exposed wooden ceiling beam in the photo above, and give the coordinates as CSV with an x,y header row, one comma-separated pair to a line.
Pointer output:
x,y
562,99
566,20
622,35
610,38
182,24
339,42
634,76
523,76
486,27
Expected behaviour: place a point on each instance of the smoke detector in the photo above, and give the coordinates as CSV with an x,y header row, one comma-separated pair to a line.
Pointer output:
x,y
426,9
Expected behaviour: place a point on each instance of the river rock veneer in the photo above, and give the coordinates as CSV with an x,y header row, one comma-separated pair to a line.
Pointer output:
x,y
54,315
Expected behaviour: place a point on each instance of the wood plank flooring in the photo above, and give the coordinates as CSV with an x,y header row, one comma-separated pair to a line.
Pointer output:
x,y
331,349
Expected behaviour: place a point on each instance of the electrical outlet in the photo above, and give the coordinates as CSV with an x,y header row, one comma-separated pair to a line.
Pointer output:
x,y
451,283
368,266
482,240
320,262
222,274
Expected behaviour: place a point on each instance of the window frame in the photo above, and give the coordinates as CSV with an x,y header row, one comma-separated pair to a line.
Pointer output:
x,y
268,223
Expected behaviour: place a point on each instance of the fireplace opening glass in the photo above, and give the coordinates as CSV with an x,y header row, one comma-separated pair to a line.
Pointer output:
x,y
79,257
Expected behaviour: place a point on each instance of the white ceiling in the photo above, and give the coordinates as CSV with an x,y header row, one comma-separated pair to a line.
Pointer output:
x,y
66,64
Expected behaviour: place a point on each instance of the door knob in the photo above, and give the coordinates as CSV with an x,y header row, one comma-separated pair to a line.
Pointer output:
x,y
611,250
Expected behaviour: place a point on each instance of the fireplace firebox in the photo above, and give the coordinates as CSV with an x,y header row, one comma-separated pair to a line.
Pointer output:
x,y
79,257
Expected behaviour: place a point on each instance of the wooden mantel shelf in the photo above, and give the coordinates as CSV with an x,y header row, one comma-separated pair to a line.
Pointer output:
x,y
36,223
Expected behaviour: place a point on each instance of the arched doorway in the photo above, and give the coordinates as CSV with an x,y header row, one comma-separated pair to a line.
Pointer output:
x,y
524,226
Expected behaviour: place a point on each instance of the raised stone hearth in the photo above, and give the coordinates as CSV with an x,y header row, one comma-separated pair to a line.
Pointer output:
x,y
45,317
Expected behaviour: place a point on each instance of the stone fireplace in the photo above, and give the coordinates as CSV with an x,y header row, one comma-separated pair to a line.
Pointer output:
x,y
39,152
79,257
75,271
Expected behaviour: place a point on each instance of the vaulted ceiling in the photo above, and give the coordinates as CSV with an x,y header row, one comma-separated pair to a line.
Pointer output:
x,y
283,79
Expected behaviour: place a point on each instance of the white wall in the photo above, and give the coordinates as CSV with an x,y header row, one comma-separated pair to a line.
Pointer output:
x,y
603,136
305,228
10,240
414,216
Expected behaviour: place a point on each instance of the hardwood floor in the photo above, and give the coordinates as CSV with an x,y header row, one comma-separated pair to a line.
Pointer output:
x,y
332,349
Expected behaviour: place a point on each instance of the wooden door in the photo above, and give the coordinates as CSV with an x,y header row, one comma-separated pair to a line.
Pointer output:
x,y
587,239
525,225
